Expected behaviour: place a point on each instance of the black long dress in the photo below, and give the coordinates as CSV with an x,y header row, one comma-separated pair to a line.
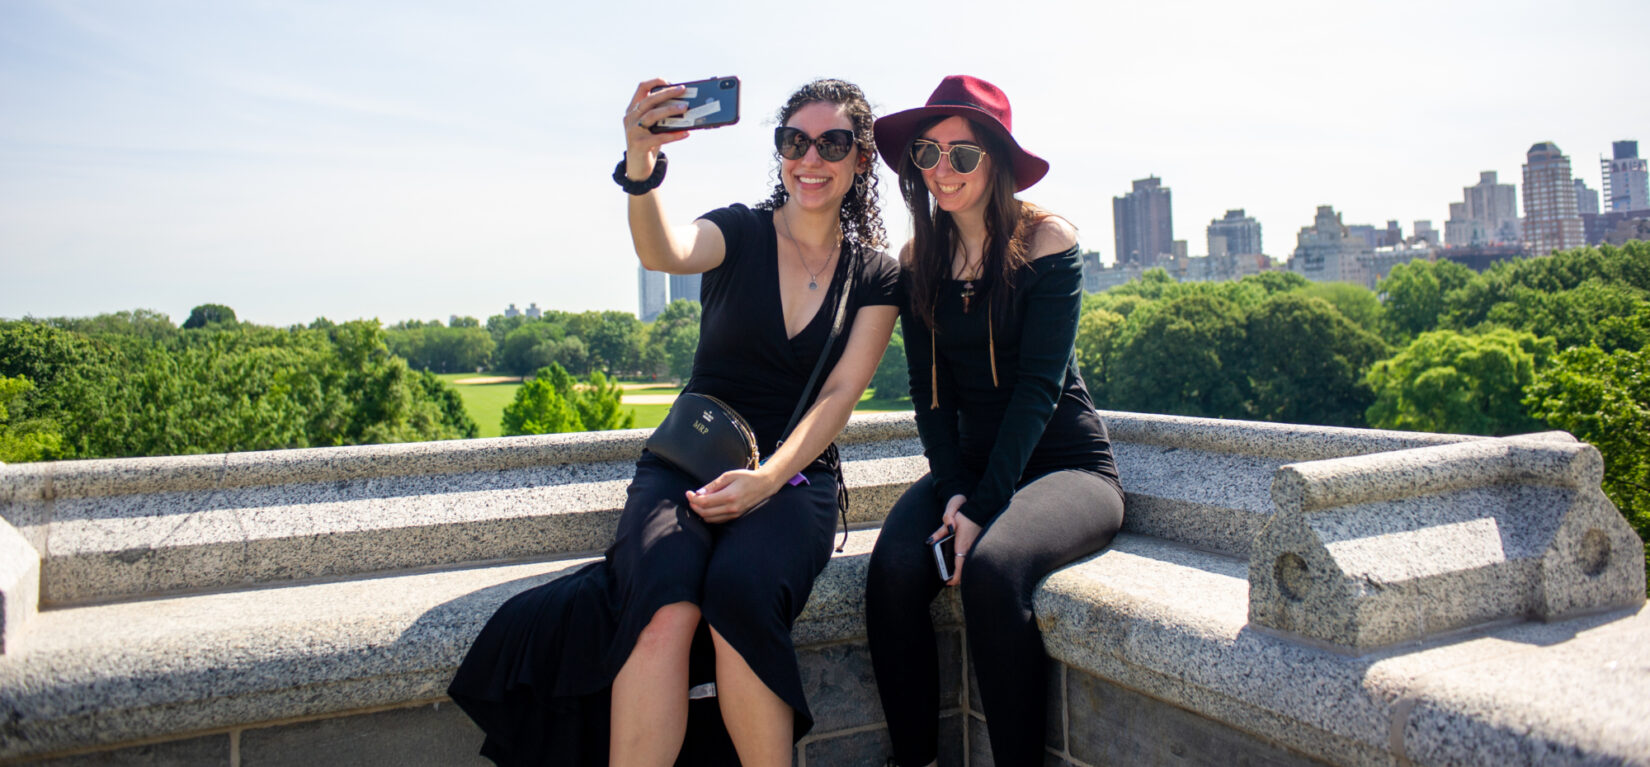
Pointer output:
x,y
537,677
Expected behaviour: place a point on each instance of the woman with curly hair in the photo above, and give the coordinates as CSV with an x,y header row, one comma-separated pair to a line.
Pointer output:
x,y
1021,472
613,643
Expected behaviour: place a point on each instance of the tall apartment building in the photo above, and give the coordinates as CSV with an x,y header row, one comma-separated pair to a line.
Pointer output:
x,y
1328,251
685,286
1626,179
1550,218
1425,233
1487,213
1236,234
652,295
1143,224
1586,199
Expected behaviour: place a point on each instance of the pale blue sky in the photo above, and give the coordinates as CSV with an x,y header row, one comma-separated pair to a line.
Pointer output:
x,y
417,159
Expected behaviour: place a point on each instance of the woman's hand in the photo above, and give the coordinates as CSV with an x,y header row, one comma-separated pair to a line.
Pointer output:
x,y
646,108
729,496
966,532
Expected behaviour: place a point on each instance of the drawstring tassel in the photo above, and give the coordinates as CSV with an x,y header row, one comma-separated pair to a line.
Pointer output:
x,y
933,371
991,342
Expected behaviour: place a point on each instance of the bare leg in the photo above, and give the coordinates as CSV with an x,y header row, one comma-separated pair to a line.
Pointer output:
x,y
758,721
650,693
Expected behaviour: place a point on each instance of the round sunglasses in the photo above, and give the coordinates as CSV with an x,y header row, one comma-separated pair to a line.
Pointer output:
x,y
965,158
793,144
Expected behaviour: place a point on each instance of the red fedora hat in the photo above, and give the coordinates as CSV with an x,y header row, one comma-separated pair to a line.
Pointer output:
x,y
965,96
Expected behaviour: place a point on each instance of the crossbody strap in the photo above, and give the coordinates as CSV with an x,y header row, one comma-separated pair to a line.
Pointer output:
x,y
837,319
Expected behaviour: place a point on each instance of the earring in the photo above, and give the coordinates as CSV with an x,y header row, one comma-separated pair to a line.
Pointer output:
x,y
861,181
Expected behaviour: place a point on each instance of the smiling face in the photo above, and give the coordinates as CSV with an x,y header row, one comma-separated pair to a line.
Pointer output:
x,y
957,193
812,182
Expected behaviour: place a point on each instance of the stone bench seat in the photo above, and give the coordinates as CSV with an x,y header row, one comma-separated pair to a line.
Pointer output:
x,y
1152,615
177,665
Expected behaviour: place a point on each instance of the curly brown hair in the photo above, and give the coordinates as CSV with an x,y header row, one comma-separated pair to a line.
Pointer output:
x,y
861,214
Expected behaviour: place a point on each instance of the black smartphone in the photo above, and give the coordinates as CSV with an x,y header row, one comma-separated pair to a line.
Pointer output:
x,y
945,554
711,103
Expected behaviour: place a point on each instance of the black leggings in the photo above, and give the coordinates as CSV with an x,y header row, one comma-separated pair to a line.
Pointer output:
x,y
1051,521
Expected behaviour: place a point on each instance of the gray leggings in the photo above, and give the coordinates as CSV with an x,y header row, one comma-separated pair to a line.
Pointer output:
x,y
1051,521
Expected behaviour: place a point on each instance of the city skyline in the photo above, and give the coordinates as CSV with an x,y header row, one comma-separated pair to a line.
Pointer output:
x,y
406,161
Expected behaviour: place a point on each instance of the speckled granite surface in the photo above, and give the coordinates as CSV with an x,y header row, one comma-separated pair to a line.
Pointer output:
x,y
117,546
19,586
192,663
1171,622
355,578
1371,550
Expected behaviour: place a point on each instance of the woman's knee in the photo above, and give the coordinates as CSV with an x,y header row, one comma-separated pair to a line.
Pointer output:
x,y
993,578
671,628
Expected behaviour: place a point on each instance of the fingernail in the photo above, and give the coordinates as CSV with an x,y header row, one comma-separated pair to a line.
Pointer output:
x,y
951,528
929,540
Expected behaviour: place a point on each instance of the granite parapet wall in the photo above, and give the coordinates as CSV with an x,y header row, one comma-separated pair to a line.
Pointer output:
x,y
233,602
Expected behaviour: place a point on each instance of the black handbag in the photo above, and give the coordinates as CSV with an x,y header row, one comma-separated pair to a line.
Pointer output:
x,y
705,437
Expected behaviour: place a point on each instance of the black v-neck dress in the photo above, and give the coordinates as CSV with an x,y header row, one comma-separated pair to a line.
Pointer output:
x,y
536,679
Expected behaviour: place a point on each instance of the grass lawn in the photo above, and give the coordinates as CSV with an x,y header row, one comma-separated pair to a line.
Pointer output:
x,y
485,402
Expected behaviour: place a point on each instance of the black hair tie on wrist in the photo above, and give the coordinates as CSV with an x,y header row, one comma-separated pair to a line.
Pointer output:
x,y
645,185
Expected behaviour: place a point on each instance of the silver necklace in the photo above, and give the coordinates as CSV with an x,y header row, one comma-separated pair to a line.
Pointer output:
x,y
813,276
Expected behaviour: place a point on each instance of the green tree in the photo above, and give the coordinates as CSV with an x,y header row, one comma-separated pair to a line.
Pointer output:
x,y
612,339
1414,296
429,346
1355,302
598,404
24,439
1627,266
1574,316
1306,362
1278,282
521,353
892,379
1097,334
1176,357
1445,381
209,314
676,333
1603,398
541,405
143,323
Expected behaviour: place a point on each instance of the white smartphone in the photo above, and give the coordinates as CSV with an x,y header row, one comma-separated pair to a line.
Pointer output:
x,y
945,554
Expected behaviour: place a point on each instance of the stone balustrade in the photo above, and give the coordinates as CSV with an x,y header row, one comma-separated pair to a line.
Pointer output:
x,y
1281,595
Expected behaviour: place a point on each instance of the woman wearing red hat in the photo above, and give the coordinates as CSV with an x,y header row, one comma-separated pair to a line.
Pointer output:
x,y
1021,470
594,668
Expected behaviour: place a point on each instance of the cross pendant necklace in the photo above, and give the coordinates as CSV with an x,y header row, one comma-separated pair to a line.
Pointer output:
x,y
968,283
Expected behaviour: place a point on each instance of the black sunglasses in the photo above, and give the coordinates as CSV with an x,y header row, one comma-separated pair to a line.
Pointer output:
x,y
793,144
965,158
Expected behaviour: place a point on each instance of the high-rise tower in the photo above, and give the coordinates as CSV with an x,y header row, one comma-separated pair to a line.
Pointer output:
x,y
1626,179
1240,232
1488,212
685,286
651,287
1550,218
1143,224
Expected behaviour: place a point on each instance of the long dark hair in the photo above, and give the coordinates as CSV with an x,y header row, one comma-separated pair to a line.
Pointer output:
x,y
860,215
1008,226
